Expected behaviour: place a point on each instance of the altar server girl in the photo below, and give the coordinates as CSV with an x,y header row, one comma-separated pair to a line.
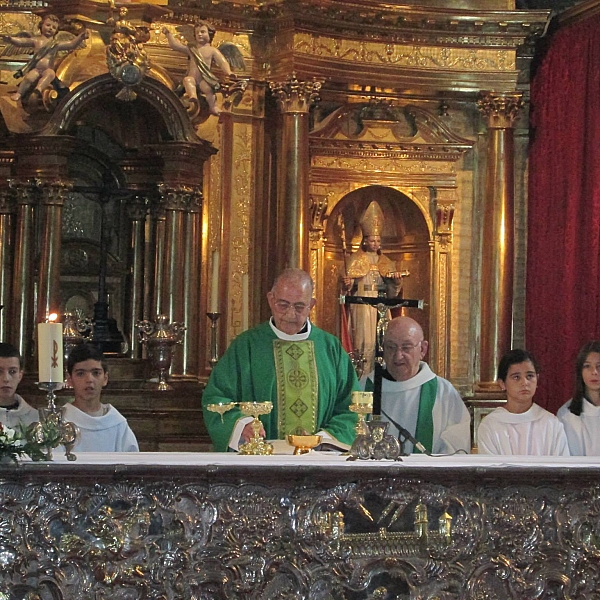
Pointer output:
x,y
521,426
581,414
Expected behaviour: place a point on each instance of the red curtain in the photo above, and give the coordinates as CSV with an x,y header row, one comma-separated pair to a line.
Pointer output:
x,y
563,262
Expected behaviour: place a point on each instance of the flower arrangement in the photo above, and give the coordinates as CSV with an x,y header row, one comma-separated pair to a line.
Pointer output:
x,y
35,441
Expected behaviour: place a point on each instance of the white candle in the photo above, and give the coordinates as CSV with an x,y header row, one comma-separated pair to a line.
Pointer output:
x,y
214,285
50,352
245,301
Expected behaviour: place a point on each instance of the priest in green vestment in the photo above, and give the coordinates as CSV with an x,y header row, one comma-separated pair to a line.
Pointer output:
x,y
301,369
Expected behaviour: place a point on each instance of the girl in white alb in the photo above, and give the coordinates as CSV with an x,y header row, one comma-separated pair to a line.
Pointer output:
x,y
581,415
521,427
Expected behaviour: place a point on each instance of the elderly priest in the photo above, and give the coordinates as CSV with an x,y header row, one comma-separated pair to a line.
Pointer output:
x,y
300,368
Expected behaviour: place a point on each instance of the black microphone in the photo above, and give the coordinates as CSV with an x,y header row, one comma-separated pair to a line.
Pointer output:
x,y
407,435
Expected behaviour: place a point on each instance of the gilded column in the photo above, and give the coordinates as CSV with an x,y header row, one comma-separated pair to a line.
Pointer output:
x,y
191,283
52,199
7,208
500,111
443,203
137,210
22,317
294,99
172,297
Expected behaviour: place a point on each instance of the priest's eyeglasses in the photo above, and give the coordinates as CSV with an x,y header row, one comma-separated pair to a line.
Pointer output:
x,y
405,348
283,306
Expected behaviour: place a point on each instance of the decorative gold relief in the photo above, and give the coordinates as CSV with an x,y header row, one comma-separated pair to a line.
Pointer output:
x,y
404,55
383,164
294,95
500,110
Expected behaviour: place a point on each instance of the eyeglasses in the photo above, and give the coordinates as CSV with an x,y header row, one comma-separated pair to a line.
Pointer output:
x,y
405,348
283,306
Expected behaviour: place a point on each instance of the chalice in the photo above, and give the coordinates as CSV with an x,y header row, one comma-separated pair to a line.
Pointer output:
x,y
362,405
257,445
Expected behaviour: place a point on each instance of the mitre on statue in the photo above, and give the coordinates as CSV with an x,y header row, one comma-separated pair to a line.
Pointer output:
x,y
371,222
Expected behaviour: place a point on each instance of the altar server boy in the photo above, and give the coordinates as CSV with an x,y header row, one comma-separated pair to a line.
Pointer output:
x,y
521,427
102,427
14,411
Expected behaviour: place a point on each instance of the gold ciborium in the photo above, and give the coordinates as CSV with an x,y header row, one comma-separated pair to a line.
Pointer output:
x,y
303,444
362,405
257,445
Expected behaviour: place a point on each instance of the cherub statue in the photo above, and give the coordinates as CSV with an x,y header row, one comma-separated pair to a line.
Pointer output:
x,y
39,71
202,55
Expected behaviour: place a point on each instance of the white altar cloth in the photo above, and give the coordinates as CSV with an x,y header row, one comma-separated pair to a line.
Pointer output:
x,y
325,459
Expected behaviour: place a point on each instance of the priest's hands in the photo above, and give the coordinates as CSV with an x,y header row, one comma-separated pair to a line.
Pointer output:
x,y
248,432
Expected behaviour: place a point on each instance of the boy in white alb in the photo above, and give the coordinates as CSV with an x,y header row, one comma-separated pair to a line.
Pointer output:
x,y
102,428
14,411
521,427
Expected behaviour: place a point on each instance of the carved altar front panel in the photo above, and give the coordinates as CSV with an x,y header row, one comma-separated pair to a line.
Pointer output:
x,y
229,528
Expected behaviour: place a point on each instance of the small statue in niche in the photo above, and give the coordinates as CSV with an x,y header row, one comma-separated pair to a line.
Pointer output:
x,y
202,55
40,70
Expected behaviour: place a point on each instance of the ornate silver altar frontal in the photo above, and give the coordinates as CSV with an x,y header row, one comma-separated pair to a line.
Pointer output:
x,y
130,533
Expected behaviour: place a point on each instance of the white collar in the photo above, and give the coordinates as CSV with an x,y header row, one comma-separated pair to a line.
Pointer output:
x,y
534,413
424,375
296,337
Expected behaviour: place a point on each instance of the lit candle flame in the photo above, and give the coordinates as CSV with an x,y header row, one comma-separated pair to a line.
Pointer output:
x,y
52,317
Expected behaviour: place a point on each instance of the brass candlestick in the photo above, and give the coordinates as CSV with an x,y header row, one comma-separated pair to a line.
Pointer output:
x,y
160,337
214,339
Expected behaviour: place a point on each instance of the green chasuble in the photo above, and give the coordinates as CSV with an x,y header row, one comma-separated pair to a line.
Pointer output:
x,y
247,372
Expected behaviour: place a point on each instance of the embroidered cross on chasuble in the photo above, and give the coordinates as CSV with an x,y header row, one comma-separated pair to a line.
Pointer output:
x,y
297,387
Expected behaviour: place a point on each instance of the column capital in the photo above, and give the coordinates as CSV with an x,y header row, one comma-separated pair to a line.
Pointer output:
x,y
54,193
295,96
137,207
178,197
500,108
7,201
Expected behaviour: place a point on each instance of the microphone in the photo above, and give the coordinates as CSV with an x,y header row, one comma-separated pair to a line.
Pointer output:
x,y
407,435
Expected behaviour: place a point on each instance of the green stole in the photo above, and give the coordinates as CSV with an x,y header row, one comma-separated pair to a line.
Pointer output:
x,y
297,387
424,431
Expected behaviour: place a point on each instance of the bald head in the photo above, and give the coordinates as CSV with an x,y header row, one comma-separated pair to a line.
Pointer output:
x,y
291,299
403,348
295,276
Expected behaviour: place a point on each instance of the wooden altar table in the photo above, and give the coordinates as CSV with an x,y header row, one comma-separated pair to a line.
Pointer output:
x,y
202,526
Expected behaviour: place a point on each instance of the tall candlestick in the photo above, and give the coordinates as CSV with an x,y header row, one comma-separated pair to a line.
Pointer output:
x,y
245,301
214,284
50,352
